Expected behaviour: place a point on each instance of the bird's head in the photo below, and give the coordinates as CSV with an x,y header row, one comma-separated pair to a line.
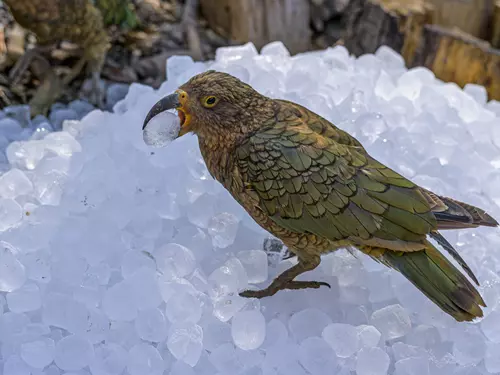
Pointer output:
x,y
212,104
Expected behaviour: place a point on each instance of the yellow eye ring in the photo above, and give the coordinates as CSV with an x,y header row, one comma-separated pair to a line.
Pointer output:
x,y
209,101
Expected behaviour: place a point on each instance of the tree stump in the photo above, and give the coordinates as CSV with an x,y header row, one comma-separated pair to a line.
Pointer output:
x,y
261,21
470,16
394,23
455,56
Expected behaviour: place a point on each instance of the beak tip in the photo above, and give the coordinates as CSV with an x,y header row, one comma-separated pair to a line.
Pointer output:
x,y
168,102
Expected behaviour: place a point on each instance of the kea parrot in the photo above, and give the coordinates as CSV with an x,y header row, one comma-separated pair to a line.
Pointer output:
x,y
317,189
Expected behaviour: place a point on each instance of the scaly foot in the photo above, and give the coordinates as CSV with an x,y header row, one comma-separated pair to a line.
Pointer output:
x,y
286,279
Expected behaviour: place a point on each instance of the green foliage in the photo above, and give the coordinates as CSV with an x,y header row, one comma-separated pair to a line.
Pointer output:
x,y
118,12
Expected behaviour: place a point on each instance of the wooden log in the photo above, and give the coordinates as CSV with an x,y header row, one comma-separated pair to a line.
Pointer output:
x,y
261,21
470,16
394,23
455,56
495,26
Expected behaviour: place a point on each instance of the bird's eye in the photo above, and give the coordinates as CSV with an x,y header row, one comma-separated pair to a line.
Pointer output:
x,y
210,101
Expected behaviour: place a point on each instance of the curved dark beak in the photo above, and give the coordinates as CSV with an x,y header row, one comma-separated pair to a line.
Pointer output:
x,y
168,102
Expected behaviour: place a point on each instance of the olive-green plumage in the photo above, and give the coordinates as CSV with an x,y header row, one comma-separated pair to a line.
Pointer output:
x,y
316,188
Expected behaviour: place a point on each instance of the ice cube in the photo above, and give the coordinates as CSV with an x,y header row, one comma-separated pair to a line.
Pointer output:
x,y
174,260
41,131
98,325
38,354
73,353
372,361
343,338
317,356
145,359
201,210
369,336
492,360
412,366
491,327
14,183
392,321
62,143
255,263
425,336
11,213
162,129
185,342
248,329
118,302
25,155
227,305
133,260
228,279
183,307
12,272
225,360
14,365
144,289
477,92
468,345
176,65
223,228
26,298
391,60
151,325
402,351
276,48
307,323
230,54
276,334
58,116
62,311
109,359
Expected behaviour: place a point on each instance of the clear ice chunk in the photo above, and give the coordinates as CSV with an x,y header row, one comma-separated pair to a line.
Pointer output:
x,y
14,183
372,361
317,356
161,129
343,338
73,353
256,265
12,271
109,359
248,329
38,354
392,321
151,325
145,359
185,342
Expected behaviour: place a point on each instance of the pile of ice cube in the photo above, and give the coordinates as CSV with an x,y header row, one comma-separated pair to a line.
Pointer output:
x,y
119,258
16,123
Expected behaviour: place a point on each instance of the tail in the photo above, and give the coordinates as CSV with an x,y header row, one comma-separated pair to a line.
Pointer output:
x,y
453,214
436,277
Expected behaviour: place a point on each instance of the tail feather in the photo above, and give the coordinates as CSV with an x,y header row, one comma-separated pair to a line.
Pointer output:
x,y
436,277
454,254
453,214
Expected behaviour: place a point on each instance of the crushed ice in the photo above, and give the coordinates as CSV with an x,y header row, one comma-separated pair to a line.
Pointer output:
x,y
118,258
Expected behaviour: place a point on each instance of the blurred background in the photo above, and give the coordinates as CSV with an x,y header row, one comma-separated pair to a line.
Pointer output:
x,y
64,57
